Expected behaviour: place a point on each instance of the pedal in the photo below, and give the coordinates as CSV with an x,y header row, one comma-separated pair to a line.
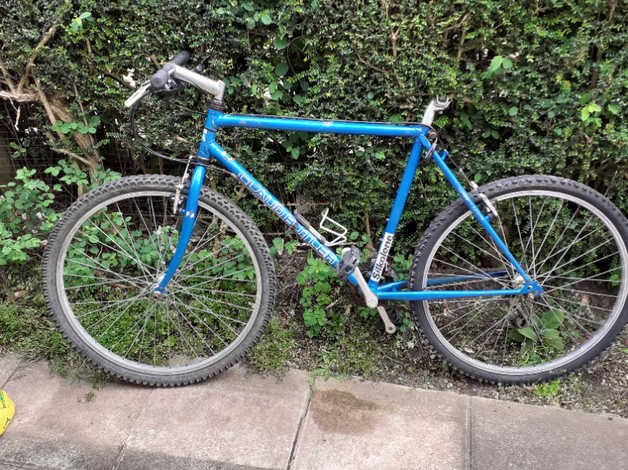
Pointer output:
x,y
488,205
348,262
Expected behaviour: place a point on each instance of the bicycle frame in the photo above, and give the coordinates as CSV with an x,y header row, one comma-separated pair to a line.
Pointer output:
x,y
390,291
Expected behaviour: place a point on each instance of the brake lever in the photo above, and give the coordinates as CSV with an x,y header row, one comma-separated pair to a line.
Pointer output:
x,y
138,95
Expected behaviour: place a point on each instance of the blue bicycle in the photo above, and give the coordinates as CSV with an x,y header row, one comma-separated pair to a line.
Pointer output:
x,y
162,281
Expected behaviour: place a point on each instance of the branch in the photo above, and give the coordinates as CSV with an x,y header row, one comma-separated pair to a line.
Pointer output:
x,y
31,60
7,79
46,105
118,79
71,154
78,99
19,97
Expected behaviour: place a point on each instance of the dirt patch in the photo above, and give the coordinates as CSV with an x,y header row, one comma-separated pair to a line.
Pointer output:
x,y
343,413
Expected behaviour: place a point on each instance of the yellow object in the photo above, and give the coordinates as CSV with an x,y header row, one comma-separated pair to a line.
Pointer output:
x,y
7,410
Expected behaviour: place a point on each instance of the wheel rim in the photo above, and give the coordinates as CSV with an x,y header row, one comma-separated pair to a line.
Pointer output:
x,y
580,280
197,323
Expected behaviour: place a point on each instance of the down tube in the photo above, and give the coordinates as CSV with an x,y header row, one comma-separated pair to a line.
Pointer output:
x,y
270,201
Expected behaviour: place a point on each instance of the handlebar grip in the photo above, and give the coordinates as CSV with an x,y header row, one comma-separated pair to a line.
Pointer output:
x,y
181,58
159,79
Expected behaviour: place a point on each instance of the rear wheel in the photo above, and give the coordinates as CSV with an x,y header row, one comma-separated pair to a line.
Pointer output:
x,y
568,237
109,251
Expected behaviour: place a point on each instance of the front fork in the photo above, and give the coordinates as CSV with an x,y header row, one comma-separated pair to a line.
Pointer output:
x,y
189,218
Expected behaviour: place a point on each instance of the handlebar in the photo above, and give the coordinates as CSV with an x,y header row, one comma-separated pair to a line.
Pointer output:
x,y
174,69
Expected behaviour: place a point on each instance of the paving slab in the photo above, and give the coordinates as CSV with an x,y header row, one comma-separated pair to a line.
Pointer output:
x,y
236,419
61,424
510,435
8,363
352,424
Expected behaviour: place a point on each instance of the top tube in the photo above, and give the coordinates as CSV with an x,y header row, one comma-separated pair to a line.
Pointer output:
x,y
216,119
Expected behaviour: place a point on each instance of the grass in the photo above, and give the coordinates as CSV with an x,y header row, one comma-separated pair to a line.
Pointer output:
x,y
27,329
274,351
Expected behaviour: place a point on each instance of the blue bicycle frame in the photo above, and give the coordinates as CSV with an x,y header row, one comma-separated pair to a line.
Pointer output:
x,y
390,291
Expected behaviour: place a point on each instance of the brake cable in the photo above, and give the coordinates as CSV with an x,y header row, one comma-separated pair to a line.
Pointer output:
x,y
142,142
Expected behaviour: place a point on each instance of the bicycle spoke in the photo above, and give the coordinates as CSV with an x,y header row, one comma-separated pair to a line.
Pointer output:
x,y
574,259
200,336
191,310
588,264
560,237
549,230
100,267
488,277
176,325
567,314
140,263
553,288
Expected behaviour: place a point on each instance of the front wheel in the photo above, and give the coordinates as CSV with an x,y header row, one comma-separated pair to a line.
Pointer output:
x,y
568,237
110,250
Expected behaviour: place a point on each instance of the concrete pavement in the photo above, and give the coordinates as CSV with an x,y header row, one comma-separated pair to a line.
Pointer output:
x,y
244,421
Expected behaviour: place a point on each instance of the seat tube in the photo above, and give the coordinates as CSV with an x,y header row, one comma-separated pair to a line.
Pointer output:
x,y
189,218
395,213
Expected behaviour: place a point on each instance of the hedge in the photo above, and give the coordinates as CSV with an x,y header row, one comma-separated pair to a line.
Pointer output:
x,y
537,87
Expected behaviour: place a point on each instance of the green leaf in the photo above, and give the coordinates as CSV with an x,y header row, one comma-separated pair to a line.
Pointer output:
x,y
528,333
515,336
53,170
513,111
613,109
496,63
278,245
281,43
552,319
281,69
265,17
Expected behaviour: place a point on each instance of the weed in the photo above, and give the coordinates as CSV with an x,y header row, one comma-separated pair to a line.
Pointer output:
x,y
320,294
275,349
547,390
